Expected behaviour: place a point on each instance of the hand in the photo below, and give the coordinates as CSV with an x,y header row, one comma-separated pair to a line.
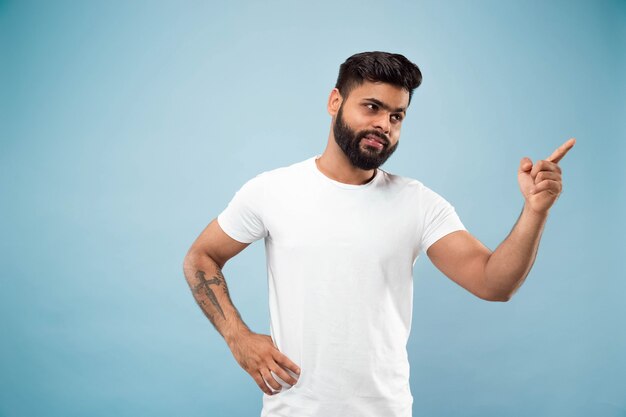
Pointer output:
x,y
257,355
541,183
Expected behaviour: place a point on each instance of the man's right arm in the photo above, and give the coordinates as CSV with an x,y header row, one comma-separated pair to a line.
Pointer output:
x,y
255,353
209,288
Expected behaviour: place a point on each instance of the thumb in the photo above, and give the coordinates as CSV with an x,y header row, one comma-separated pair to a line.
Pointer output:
x,y
525,165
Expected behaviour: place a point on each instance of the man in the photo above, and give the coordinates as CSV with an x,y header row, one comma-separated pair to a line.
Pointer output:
x,y
342,237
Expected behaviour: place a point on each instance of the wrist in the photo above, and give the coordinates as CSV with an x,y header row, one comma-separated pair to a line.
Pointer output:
x,y
233,337
534,214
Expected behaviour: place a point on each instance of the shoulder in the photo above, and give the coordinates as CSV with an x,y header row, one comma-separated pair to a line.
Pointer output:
x,y
283,173
415,190
410,185
290,169
273,179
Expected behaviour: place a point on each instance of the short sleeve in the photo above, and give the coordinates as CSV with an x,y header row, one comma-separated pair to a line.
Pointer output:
x,y
440,220
242,219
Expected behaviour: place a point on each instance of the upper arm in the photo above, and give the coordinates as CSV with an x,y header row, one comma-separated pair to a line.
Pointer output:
x,y
462,258
216,244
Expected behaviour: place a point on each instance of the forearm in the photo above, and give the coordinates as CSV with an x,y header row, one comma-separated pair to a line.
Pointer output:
x,y
510,263
209,288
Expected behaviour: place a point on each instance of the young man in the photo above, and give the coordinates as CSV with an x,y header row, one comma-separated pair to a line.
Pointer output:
x,y
342,237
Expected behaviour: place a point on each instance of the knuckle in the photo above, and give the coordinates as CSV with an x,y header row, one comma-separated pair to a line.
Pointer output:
x,y
247,366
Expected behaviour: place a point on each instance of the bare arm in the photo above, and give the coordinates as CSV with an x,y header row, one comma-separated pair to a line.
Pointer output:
x,y
496,276
509,265
541,185
209,288
492,276
256,353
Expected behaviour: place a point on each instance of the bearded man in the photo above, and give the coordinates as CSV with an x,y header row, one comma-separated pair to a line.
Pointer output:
x,y
342,236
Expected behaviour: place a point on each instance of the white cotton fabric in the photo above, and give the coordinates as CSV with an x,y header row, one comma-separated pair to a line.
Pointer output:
x,y
340,263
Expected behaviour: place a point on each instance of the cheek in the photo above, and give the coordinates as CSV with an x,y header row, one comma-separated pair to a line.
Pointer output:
x,y
358,117
360,122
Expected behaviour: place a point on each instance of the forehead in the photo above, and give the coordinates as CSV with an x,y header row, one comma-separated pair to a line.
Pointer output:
x,y
388,93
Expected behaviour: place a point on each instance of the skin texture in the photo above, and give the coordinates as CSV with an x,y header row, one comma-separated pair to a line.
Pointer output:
x,y
363,115
496,276
378,109
361,153
256,353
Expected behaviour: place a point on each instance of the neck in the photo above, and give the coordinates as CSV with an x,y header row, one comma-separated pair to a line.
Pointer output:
x,y
335,165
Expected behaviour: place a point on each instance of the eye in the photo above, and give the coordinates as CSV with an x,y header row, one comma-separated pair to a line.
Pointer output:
x,y
371,106
398,117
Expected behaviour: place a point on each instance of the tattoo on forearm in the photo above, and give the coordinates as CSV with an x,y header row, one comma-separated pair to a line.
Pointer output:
x,y
204,288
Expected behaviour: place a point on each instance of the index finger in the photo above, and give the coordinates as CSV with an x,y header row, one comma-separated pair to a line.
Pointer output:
x,y
561,151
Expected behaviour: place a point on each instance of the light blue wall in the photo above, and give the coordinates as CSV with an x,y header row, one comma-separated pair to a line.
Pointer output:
x,y
127,126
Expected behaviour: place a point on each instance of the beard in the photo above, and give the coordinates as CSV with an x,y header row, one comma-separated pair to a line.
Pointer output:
x,y
350,143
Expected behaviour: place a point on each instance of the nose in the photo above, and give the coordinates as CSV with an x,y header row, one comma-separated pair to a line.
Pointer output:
x,y
382,123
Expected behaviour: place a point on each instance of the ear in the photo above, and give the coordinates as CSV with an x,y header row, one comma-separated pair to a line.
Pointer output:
x,y
334,102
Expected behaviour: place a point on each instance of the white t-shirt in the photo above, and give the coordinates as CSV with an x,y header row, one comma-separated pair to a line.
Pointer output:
x,y
340,263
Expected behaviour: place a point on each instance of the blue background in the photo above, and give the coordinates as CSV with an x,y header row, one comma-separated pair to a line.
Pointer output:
x,y
127,126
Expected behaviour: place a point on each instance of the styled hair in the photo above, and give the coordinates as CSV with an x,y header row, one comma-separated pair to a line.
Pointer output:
x,y
378,67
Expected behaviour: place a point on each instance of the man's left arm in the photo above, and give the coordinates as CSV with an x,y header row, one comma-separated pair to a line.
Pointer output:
x,y
496,276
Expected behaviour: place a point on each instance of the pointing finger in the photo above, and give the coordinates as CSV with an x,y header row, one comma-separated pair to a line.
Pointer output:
x,y
561,151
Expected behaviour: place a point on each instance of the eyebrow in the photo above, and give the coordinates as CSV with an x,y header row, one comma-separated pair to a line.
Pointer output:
x,y
386,106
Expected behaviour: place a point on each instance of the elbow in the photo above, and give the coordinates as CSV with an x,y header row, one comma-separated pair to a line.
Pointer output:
x,y
501,298
188,259
496,296
192,256
190,263
196,256
489,293
187,266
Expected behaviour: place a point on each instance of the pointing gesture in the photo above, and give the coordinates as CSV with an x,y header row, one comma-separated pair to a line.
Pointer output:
x,y
540,182
561,151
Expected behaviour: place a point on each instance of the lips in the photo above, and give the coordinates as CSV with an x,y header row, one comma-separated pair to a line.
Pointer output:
x,y
375,138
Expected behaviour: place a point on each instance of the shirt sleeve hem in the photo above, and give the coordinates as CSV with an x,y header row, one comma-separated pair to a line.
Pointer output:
x,y
441,233
232,232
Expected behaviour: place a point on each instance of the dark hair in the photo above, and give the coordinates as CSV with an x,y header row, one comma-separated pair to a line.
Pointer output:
x,y
378,67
